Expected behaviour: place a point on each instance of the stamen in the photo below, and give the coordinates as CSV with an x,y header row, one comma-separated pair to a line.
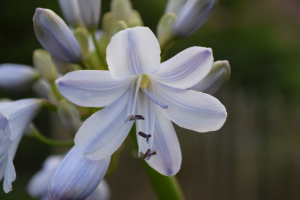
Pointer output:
x,y
130,102
139,117
134,117
138,84
148,154
144,135
153,99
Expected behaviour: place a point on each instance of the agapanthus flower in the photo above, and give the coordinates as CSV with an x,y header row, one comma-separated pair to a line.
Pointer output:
x,y
38,184
76,177
139,88
14,119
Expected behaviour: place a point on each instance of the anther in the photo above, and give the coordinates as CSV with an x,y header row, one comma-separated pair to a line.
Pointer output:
x,y
134,117
148,154
144,135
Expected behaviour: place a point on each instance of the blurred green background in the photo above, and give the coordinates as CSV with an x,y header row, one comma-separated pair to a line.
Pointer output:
x,y
256,155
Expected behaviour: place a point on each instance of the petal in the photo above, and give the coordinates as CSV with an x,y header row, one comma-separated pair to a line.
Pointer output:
x,y
55,36
217,77
76,177
20,113
168,159
104,132
175,6
186,68
90,13
91,88
16,77
133,51
4,126
192,110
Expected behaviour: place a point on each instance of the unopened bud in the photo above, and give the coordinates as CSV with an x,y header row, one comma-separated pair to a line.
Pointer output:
x,y
217,77
81,36
121,9
118,26
70,11
68,116
134,19
55,36
103,43
192,16
90,13
17,77
42,62
164,29
175,6
61,66
108,20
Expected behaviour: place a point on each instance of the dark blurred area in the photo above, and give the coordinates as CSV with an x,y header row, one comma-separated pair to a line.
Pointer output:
x,y
256,155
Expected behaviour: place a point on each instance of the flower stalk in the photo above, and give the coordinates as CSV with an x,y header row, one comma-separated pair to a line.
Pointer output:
x,y
103,63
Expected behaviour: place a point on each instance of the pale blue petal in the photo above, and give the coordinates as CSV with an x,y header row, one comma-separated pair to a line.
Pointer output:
x,y
16,77
76,177
92,88
20,113
4,126
104,132
90,13
168,159
55,36
70,11
185,69
192,16
175,6
133,51
192,110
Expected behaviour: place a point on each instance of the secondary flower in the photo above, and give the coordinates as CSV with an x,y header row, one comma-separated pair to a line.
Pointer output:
x,y
38,184
70,11
192,16
76,177
90,13
55,36
16,77
14,119
138,87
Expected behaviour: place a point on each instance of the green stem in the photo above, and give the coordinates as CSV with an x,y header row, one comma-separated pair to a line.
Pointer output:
x,y
166,187
165,48
83,65
48,105
103,63
33,132
56,91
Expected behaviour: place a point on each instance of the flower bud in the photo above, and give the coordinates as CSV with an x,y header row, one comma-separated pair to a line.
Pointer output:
x,y
70,11
61,66
217,77
76,176
42,62
68,116
108,20
16,77
43,89
192,16
121,9
55,36
164,29
90,13
175,6
82,36
118,26
134,19
103,43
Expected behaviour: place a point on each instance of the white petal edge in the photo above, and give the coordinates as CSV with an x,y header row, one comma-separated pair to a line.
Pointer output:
x,y
133,51
185,69
104,132
192,110
91,88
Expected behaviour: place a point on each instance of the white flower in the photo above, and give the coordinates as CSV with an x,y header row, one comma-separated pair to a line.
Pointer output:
x,y
14,119
55,36
38,184
70,11
137,86
16,77
77,177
